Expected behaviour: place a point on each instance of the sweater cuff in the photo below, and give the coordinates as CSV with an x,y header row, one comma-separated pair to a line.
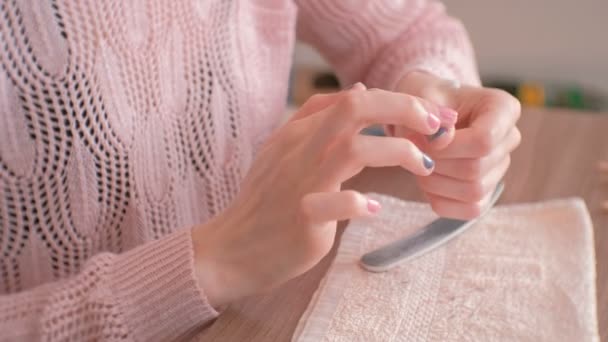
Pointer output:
x,y
157,290
393,69
450,57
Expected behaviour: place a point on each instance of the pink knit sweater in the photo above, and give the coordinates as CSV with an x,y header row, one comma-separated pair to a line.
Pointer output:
x,y
125,123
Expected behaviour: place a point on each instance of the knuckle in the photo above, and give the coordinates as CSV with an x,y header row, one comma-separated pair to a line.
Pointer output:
x,y
473,169
475,191
350,105
512,103
517,137
508,100
350,150
499,94
438,208
472,210
508,161
352,199
485,142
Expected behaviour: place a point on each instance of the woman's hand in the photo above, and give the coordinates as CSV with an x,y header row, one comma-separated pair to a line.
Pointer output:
x,y
283,221
467,170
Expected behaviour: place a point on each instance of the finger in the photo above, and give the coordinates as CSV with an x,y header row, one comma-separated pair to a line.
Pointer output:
x,y
356,86
447,116
429,143
440,140
348,158
436,141
319,102
446,207
492,121
335,206
474,168
464,191
498,113
444,136
356,110
467,143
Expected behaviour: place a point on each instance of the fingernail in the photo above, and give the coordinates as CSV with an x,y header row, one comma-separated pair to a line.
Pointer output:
x,y
373,206
427,161
357,85
433,121
441,131
448,115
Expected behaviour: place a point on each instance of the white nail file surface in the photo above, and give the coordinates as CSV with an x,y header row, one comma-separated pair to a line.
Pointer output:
x,y
424,240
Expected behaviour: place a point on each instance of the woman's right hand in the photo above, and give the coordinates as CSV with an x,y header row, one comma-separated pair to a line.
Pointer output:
x,y
283,221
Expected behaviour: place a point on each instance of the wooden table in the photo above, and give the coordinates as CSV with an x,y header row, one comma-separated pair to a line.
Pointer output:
x,y
557,158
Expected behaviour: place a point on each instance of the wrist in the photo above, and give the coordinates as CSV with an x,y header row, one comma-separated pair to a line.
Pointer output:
x,y
208,269
415,81
428,86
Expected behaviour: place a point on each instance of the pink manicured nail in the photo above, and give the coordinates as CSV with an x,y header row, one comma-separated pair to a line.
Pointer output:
x,y
373,206
448,115
433,121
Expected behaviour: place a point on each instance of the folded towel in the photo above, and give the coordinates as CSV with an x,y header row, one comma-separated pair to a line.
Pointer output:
x,y
524,272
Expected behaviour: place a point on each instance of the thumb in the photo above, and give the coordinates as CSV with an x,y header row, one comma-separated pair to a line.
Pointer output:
x,y
437,141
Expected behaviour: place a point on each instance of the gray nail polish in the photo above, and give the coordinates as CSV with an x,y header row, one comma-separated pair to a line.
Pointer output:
x,y
427,161
441,131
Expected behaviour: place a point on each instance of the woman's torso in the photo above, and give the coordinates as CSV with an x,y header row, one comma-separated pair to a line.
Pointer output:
x,y
121,121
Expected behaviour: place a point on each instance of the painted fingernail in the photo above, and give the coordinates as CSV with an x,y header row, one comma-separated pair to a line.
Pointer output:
x,y
448,115
433,121
427,161
441,131
373,206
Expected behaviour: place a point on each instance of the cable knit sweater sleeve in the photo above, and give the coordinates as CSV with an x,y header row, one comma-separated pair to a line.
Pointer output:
x,y
123,120
146,294
377,42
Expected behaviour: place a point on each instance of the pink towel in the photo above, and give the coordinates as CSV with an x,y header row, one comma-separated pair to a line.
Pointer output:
x,y
523,273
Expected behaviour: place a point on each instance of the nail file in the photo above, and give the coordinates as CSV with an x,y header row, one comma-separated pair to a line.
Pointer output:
x,y
431,236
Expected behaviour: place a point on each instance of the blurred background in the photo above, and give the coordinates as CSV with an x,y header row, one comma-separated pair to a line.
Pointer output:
x,y
550,53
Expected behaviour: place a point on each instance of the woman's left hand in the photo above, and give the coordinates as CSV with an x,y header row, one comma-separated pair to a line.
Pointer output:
x,y
468,170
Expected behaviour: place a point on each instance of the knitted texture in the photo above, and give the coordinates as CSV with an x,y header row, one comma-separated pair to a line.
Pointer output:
x,y
124,123
524,272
